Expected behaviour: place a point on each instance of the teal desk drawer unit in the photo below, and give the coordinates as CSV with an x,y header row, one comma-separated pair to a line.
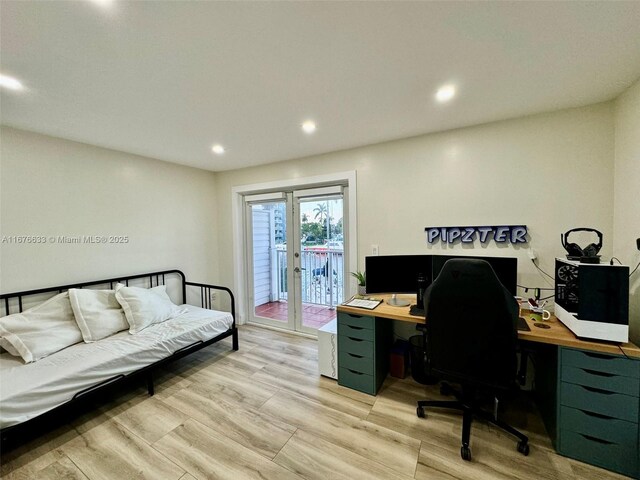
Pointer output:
x,y
363,351
598,409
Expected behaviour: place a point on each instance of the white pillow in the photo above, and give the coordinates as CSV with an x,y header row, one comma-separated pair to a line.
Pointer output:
x,y
42,330
7,347
145,306
97,313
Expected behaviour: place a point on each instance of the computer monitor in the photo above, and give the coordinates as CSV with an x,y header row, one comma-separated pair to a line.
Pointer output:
x,y
396,273
506,268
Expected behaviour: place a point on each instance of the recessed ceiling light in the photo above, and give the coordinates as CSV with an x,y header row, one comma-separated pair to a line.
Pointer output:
x,y
445,93
10,82
103,3
217,149
309,126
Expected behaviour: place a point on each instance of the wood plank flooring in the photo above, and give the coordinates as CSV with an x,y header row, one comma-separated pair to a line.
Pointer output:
x,y
264,412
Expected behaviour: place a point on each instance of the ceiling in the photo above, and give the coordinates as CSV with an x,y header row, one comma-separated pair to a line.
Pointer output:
x,y
170,79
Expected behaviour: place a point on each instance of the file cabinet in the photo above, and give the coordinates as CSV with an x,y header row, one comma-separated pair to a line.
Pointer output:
x,y
598,409
363,351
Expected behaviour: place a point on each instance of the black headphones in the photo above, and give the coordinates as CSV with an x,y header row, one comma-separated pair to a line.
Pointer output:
x,y
574,250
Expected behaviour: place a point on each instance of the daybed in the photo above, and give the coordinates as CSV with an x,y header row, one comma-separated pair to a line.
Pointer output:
x,y
31,392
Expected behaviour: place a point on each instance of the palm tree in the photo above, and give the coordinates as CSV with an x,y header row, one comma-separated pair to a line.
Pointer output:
x,y
305,219
320,211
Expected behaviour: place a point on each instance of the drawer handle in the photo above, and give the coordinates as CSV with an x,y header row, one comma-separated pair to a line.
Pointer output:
x,y
599,374
597,390
355,328
354,372
597,355
354,316
354,355
594,439
596,415
355,339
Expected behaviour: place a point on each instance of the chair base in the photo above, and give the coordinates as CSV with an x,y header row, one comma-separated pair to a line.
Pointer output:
x,y
466,404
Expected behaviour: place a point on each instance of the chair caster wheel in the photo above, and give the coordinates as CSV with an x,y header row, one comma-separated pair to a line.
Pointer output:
x,y
445,389
523,448
465,453
420,412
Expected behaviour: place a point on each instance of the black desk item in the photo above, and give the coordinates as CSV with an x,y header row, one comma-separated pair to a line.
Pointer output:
x,y
472,341
588,254
522,325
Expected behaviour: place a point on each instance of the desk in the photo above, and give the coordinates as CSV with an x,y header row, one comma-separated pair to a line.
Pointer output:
x,y
557,334
588,392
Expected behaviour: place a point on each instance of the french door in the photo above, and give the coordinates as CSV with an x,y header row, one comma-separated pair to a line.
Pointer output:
x,y
295,253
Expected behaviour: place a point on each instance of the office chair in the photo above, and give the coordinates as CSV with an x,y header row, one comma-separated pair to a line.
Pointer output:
x,y
471,323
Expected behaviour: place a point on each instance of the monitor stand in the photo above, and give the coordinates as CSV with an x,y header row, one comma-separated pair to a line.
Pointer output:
x,y
394,301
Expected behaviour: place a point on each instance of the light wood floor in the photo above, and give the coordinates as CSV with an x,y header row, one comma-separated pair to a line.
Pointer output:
x,y
264,412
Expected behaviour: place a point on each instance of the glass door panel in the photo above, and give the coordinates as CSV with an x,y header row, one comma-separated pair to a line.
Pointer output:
x,y
267,264
320,243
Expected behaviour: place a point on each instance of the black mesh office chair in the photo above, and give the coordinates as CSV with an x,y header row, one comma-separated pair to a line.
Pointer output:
x,y
472,333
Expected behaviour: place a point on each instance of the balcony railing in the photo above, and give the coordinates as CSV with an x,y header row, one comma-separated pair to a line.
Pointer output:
x,y
322,275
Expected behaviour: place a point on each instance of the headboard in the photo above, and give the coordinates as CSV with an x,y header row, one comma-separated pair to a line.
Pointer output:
x,y
14,302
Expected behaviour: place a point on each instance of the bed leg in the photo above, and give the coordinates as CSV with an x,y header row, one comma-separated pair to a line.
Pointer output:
x,y
235,338
150,387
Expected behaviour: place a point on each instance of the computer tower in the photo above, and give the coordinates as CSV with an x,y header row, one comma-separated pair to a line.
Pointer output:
x,y
592,300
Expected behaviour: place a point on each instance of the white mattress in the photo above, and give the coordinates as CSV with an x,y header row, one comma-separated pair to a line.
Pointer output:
x,y
28,390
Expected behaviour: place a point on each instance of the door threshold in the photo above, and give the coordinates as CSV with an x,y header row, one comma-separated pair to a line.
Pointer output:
x,y
283,330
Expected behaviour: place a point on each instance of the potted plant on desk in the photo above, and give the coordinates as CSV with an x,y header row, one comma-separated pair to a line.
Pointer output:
x,y
362,282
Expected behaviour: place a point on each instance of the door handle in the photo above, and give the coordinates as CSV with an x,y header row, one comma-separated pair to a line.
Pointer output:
x,y
297,269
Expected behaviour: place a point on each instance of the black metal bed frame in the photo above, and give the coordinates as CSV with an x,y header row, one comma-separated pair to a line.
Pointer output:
x,y
12,300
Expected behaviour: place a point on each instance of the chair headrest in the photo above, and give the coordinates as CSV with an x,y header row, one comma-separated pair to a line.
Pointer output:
x,y
466,270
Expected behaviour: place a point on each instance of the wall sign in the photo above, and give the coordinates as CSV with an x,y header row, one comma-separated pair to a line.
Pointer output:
x,y
507,233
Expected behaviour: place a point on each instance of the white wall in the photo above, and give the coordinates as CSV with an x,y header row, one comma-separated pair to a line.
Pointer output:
x,y
551,172
627,193
53,187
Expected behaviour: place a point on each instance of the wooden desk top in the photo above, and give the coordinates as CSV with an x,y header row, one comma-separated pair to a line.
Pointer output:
x,y
557,334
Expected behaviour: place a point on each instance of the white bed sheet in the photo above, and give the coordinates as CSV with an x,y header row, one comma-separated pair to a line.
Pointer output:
x,y
28,390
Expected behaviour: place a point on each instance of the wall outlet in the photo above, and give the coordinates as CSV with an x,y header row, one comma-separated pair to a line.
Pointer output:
x,y
532,254
374,250
213,297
